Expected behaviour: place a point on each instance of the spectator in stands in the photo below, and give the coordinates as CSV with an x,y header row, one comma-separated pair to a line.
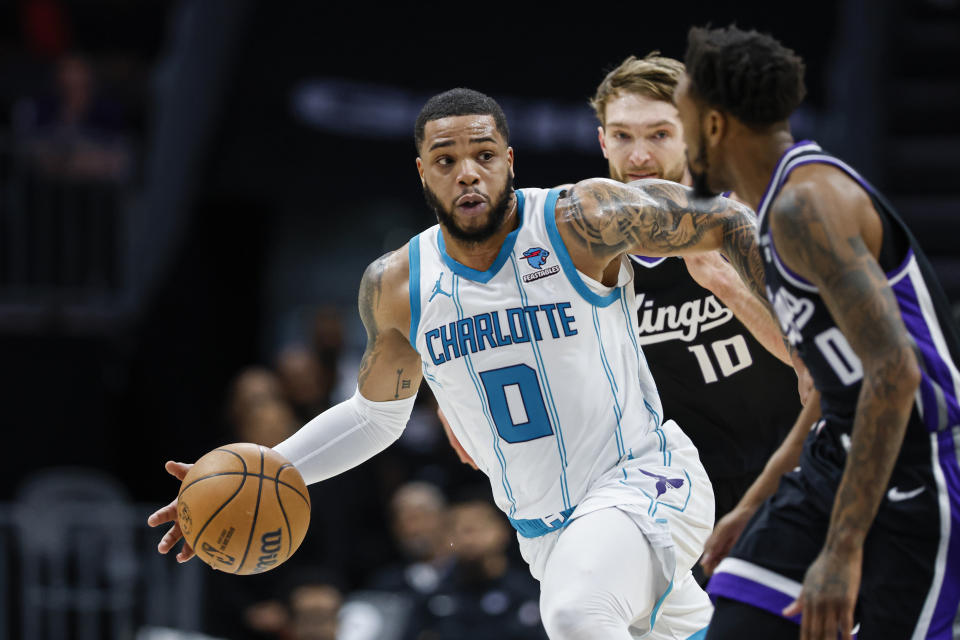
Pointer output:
x,y
305,383
314,611
483,596
328,336
418,521
267,422
250,387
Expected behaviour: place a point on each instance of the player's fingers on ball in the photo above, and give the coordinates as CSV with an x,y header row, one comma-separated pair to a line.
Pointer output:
x,y
177,469
185,553
170,538
166,514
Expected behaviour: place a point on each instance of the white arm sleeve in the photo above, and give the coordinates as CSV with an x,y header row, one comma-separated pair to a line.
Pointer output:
x,y
345,435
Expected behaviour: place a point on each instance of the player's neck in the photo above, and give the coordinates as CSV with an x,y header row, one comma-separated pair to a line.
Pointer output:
x,y
755,157
481,255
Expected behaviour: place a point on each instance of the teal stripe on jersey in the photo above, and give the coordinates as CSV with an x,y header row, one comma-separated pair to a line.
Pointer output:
x,y
656,607
633,338
613,383
636,350
414,279
667,455
551,404
483,403
432,379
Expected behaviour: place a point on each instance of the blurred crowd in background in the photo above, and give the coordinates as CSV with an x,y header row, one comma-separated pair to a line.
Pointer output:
x,y
412,534
189,193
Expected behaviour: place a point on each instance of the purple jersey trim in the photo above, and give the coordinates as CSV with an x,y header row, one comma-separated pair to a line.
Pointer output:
x,y
727,585
795,278
646,260
825,159
940,407
948,600
776,179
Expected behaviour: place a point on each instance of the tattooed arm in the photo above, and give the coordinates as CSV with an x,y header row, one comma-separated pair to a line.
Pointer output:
x,y
823,226
600,219
715,274
346,435
390,368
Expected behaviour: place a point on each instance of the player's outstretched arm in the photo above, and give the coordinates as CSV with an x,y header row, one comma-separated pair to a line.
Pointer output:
x,y
715,274
829,251
599,219
355,430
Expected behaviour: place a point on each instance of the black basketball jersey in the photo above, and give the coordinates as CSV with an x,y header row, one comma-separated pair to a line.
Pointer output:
x,y
911,555
806,321
726,391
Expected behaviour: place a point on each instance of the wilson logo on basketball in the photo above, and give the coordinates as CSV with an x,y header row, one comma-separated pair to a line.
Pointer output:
x,y
270,544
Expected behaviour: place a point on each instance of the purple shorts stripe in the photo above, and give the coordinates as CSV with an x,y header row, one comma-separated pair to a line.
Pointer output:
x,y
727,585
944,614
937,372
744,590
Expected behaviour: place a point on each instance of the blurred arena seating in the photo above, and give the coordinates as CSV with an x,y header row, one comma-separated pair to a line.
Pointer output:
x,y
79,563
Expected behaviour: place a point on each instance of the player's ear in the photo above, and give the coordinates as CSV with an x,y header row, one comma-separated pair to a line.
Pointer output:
x,y
510,161
716,127
603,143
420,170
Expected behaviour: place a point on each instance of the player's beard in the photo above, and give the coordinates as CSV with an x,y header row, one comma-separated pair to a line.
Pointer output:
x,y
498,211
701,185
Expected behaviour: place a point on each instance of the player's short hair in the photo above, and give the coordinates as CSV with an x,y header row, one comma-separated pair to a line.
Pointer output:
x,y
460,102
747,74
652,76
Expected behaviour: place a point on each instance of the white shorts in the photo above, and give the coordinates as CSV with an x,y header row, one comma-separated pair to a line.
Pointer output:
x,y
632,540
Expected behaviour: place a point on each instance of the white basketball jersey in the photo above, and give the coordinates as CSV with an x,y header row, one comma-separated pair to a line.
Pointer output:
x,y
535,365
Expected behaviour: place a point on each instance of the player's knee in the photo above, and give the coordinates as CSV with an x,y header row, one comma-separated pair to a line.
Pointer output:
x,y
580,617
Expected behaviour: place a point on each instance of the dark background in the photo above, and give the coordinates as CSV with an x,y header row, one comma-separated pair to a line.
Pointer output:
x,y
126,388
247,206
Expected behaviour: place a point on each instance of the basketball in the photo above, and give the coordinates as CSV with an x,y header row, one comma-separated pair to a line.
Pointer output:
x,y
243,508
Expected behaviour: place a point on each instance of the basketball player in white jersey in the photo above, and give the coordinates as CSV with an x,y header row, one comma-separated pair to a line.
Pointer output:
x,y
517,309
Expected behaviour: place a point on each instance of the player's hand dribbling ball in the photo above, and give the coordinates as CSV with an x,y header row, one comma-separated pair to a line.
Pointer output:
x,y
243,508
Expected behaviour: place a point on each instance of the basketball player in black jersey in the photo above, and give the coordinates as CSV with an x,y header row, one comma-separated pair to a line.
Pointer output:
x,y
697,320
865,533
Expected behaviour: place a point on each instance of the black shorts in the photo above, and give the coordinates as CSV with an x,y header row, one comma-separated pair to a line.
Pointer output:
x,y
910,584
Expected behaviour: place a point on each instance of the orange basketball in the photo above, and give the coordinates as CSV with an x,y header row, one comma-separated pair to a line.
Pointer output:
x,y
243,508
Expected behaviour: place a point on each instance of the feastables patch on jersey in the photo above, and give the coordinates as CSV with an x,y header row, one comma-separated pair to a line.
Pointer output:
x,y
536,257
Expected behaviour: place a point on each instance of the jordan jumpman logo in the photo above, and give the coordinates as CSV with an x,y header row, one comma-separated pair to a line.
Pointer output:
x,y
438,289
